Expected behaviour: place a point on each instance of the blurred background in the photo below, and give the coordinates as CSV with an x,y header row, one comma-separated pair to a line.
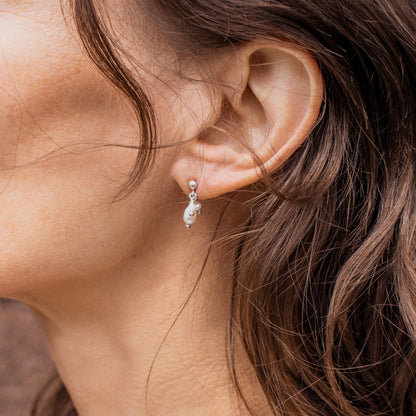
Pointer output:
x,y
25,365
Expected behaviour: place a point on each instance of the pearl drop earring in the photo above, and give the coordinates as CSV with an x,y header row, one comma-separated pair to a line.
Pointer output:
x,y
194,207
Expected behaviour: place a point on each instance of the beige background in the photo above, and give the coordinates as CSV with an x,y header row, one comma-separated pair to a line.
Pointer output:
x,y
24,362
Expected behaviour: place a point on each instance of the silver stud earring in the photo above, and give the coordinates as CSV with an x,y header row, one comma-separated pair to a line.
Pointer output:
x,y
194,207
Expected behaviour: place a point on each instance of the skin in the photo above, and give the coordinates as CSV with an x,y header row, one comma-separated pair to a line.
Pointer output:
x,y
106,280
88,267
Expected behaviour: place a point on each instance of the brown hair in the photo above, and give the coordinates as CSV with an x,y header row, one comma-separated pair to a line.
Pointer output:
x,y
324,290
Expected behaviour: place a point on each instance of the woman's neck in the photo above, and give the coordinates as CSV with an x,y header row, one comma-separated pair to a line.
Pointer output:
x,y
103,333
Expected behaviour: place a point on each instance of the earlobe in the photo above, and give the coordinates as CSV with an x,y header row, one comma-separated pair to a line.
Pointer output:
x,y
271,98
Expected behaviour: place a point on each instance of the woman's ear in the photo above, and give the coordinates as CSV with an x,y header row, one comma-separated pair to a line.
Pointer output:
x,y
271,94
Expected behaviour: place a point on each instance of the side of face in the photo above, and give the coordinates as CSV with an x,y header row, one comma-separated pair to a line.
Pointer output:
x,y
58,115
57,181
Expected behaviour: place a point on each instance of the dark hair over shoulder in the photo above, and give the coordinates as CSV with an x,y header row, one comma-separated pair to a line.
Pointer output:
x,y
324,292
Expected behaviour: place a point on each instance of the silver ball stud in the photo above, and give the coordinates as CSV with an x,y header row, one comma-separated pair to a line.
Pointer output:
x,y
192,185
188,226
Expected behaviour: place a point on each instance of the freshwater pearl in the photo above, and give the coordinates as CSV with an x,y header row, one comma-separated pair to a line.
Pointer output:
x,y
189,216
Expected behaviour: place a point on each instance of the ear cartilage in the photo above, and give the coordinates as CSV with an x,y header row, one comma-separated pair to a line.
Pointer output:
x,y
194,207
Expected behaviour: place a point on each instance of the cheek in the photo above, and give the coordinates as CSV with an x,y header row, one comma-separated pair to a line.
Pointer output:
x,y
51,96
56,179
57,225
